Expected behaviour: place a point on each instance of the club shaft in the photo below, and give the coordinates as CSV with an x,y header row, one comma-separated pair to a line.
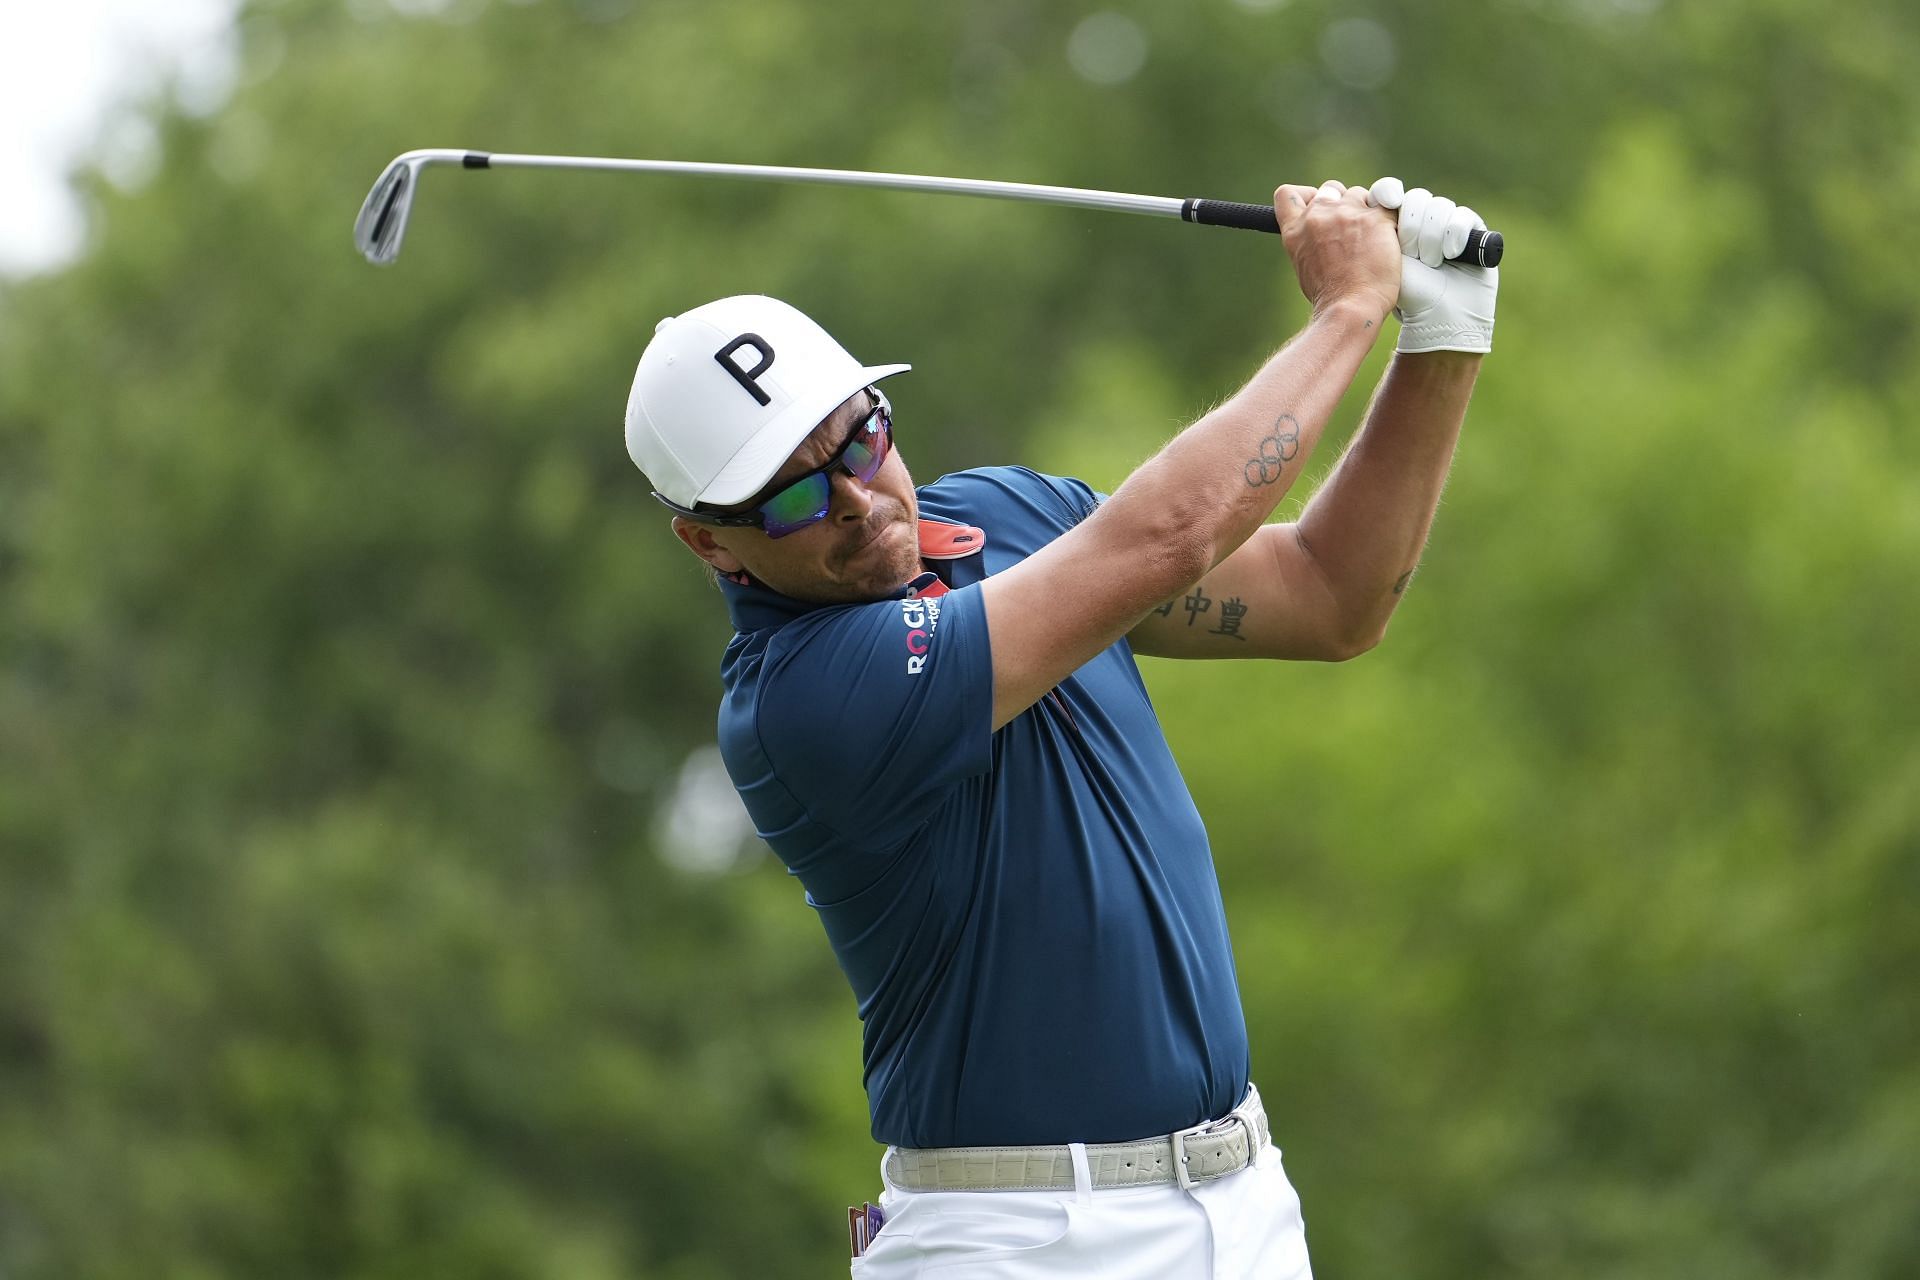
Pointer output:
x,y
1080,197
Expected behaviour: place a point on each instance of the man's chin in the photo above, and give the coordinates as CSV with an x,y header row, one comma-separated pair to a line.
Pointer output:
x,y
881,567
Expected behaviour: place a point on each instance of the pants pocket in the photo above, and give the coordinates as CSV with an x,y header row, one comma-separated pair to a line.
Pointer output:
x,y
962,1234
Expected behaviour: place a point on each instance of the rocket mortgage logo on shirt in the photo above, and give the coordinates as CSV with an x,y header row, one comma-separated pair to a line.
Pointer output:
x,y
921,617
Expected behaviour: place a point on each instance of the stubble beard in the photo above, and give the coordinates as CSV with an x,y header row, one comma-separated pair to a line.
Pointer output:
x,y
885,575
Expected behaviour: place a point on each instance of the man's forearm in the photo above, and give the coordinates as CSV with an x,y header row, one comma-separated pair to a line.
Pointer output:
x,y
1223,476
1367,525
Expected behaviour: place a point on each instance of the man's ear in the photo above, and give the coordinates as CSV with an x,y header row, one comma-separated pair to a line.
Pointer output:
x,y
700,540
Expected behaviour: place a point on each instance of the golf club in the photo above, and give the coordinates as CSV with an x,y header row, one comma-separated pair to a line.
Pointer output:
x,y
382,223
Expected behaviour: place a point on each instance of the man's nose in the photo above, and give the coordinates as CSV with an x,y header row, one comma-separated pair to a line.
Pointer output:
x,y
852,501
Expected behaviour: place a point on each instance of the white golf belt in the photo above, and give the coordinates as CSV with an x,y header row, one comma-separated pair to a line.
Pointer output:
x,y
1190,1157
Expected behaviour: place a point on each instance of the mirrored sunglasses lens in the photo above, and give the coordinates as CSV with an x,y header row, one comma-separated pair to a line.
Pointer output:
x,y
866,454
796,506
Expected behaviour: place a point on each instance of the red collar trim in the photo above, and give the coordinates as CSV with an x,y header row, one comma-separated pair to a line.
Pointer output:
x,y
942,541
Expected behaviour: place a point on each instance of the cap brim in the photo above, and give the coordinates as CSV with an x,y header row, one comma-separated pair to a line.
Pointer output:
x,y
748,471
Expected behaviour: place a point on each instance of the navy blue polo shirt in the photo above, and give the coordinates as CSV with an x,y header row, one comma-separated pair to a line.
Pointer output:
x,y
1029,918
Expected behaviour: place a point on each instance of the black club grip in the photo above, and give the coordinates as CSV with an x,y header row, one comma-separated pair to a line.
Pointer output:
x,y
1484,248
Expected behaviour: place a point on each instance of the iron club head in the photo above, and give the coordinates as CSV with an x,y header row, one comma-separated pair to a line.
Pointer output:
x,y
382,223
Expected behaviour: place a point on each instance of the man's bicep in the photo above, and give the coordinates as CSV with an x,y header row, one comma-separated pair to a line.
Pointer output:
x,y
1266,600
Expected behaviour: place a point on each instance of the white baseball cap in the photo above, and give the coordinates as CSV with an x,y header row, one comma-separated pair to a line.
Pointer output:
x,y
726,392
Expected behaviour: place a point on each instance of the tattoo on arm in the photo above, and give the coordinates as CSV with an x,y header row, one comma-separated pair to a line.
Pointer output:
x,y
1276,451
1401,585
1233,612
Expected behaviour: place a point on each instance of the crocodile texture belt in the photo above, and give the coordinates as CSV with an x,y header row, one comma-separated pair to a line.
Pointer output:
x,y
1190,1157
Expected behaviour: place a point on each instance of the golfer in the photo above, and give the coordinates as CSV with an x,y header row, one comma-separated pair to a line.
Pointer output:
x,y
933,714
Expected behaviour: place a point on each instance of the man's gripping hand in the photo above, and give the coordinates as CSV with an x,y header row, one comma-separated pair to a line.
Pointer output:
x,y
1342,247
1444,306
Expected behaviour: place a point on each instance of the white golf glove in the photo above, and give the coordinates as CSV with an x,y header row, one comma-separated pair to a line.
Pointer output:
x,y
1444,306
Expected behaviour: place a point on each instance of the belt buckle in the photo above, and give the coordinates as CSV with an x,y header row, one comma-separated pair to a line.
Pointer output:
x,y
1211,1128
1180,1174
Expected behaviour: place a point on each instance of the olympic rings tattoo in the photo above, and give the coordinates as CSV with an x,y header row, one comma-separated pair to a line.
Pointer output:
x,y
1276,451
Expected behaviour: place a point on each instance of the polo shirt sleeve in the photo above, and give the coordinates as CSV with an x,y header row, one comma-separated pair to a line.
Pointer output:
x,y
871,714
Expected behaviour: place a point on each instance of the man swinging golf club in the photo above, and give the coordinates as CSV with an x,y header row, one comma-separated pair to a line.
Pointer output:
x,y
933,715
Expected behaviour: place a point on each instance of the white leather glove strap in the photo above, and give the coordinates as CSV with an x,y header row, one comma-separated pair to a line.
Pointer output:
x,y
1444,306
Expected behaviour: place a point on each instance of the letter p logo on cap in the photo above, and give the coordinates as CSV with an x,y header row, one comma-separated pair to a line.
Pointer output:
x,y
746,377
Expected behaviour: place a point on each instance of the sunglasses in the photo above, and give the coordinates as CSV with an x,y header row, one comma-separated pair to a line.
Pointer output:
x,y
805,501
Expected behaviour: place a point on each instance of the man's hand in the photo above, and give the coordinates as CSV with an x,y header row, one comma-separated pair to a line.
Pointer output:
x,y
1443,306
1343,247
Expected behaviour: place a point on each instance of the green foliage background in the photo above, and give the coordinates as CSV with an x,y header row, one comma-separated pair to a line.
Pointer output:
x,y
347,674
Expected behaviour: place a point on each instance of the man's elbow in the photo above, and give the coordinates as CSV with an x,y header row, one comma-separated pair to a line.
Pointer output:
x,y
1169,559
1348,643
1154,549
